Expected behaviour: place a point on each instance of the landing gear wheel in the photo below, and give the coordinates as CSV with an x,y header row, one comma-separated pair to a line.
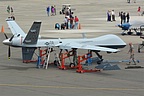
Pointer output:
x,y
56,63
138,50
72,65
138,33
81,71
99,62
129,33
123,34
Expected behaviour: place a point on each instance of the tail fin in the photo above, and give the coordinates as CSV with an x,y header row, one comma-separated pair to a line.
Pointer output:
x,y
33,34
15,29
27,53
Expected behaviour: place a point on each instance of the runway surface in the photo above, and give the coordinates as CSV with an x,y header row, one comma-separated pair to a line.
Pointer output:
x,y
24,79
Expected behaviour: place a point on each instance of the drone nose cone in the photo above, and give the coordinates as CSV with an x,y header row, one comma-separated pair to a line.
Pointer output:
x,y
7,42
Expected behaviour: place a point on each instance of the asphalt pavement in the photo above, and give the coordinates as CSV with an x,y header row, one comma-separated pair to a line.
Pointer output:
x,y
24,79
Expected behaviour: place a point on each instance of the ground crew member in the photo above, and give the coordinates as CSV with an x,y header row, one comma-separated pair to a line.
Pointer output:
x,y
131,51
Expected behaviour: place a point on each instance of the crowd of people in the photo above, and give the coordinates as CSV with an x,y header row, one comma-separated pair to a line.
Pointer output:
x,y
124,17
70,21
111,16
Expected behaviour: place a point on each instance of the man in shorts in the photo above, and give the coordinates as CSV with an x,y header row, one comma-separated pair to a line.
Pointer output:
x,y
131,51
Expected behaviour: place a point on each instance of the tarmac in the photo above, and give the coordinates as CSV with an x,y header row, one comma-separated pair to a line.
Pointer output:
x,y
24,79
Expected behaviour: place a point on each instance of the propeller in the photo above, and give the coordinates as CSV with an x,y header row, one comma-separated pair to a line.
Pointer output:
x,y
6,36
9,51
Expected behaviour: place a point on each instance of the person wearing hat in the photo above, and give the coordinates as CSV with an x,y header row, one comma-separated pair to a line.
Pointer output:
x,y
131,51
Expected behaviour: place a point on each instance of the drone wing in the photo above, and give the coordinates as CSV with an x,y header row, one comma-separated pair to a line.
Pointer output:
x,y
136,24
71,45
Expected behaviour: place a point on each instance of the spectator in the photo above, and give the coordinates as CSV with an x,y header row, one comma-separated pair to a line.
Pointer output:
x,y
113,15
127,17
124,17
48,10
131,51
52,11
121,17
76,20
12,11
66,22
55,9
71,22
63,26
139,10
57,26
8,9
108,15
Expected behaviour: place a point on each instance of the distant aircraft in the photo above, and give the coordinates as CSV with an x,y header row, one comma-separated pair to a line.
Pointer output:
x,y
137,26
30,42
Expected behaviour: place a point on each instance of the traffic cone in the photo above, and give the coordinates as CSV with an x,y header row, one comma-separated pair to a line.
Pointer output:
x,y
2,29
79,27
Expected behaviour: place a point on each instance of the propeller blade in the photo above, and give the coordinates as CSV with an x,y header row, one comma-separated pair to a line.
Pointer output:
x,y
11,38
6,36
9,52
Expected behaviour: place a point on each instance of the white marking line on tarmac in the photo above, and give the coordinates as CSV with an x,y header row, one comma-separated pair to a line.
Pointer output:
x,y
73,87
